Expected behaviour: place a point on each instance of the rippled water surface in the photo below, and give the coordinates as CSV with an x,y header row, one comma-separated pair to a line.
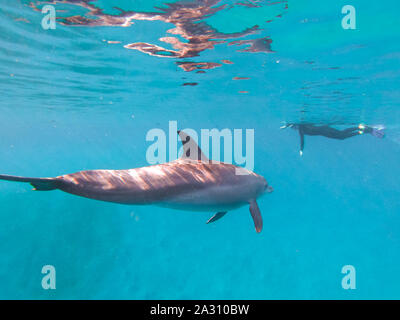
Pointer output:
x,y
85,94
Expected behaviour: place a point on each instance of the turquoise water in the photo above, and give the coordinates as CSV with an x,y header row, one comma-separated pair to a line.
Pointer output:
x,y
84,96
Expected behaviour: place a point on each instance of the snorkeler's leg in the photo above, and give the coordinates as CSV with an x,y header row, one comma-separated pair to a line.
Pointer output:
x,y
348,133
351,129
333,133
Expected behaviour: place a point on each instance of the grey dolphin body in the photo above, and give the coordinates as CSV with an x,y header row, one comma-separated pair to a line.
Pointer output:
x,y
191,183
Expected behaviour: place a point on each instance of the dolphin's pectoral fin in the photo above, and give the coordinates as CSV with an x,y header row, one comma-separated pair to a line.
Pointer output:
x,y
256,215
216,217
190,148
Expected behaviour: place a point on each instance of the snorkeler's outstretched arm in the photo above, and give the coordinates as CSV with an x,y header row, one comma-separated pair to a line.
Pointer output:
x,y
301,133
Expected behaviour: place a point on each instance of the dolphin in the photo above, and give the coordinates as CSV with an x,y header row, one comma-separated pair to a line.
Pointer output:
x,y
192,182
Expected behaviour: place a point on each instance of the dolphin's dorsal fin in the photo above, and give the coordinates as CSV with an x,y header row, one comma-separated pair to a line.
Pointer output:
x,y
190,148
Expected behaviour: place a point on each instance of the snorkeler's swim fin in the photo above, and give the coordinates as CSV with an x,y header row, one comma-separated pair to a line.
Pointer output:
x,y
378,132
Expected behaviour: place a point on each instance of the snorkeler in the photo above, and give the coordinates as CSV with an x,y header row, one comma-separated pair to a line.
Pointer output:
x,y
329,132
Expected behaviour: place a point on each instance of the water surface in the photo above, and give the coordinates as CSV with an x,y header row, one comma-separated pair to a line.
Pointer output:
x,y
84,96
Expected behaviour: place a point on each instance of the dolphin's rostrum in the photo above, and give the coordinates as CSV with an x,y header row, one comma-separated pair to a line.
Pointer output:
x,y
192,182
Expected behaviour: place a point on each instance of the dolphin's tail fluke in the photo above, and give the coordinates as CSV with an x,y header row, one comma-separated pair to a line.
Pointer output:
x,y
39,184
